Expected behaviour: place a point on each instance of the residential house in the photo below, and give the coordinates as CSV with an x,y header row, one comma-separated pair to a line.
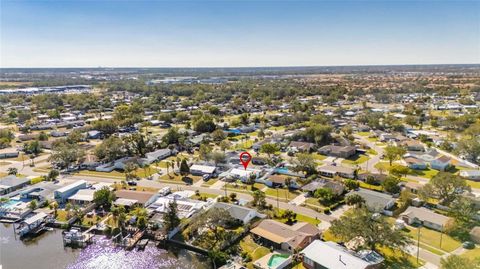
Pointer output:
x,y
415,163
413,187
143,198
411,145
338,151
280,181
8,153
62,194
285,237
243,214
425,217
377,178
336,187
321,255
155,156
186,207
297,146
375,201
12,183
441,164
470,174
200,170
82,197
333,170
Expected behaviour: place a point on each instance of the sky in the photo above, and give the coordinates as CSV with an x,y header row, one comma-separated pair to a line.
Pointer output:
x,y
135,33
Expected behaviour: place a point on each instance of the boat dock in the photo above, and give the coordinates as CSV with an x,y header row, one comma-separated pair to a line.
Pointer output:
x,y
75,237
32,226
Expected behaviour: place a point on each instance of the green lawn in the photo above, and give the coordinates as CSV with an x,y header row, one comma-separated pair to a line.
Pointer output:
x,y
314,202
382,165
283,194
209,183
473,184
318,157
371,152
395,259
89,221
300,218
363,133
61,215
204,195
369,186
357,159
256,251
427,173
432,238
472,253
244,145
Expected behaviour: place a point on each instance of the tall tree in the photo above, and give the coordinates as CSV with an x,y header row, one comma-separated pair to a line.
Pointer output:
x,y
444,186
171,219
393,153
376,231
104,197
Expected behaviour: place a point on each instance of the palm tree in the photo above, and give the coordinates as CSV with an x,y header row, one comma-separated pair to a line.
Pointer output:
x,y
168,166
12,171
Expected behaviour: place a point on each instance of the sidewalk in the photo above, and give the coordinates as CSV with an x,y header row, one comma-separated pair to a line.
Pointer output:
x,y
298,200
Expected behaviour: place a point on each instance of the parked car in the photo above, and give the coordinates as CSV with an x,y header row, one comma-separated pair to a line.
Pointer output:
x,y
206,177
132,183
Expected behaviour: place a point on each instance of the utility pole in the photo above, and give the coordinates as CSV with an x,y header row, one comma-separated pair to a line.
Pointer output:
x,y
278,206
225,188
418,242
441,236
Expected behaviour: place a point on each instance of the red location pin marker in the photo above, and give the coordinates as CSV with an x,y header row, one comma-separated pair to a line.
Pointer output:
x,y
245,158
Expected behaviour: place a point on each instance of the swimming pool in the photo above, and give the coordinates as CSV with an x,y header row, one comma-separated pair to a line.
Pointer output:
x,y
282,170
10,204
276,260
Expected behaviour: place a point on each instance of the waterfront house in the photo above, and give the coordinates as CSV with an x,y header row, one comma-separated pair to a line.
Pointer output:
x,y
82,197
12,183
285,237
375,201
186,207
425,217
338,151
41,191
62,194
331,255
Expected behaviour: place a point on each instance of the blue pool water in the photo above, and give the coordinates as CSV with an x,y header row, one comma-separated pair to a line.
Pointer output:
x,y
234,131
10,204
282,170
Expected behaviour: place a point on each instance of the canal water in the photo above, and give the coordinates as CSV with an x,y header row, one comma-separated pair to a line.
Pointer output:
x,y
47,252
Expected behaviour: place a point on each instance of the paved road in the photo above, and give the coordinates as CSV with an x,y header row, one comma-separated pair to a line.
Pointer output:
x,y
240,195
424,255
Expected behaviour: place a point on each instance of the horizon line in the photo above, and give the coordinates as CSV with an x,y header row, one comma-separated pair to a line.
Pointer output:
x,y
232,67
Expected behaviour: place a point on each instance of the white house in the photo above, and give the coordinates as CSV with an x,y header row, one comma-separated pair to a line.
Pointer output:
x,y
200,170
243,214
